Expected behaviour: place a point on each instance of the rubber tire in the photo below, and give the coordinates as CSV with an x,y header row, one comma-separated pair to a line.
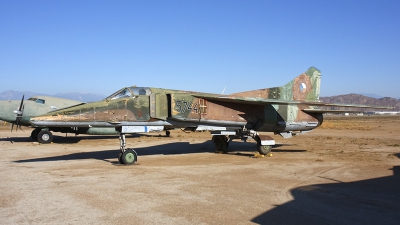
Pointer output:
x,y
34,134
120,158
129,157
167,133
221,143
264,149
44,137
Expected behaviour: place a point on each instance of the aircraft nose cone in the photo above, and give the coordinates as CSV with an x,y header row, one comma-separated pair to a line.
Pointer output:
x,y
7,109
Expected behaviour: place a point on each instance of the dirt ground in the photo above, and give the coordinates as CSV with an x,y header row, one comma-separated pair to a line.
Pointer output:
x,y
347,172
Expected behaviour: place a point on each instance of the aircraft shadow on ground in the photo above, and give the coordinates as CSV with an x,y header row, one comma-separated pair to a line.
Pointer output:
x,y
276,148
373,201
105,155
16,139
238,148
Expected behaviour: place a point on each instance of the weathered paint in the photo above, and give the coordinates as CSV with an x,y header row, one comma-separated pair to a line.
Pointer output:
x,y
174,108
304,87
190,109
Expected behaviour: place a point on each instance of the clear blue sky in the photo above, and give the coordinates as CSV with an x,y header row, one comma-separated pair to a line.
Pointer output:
x,y
101,46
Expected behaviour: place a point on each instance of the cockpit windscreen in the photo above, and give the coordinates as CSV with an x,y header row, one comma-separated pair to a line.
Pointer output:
x,y
130,92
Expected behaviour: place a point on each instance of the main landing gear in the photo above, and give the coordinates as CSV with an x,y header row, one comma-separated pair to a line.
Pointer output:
x,y
127,156
261,141
221,143
221,140
42,136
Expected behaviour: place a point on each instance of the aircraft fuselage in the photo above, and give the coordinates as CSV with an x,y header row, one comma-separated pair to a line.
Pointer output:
x,y
179,109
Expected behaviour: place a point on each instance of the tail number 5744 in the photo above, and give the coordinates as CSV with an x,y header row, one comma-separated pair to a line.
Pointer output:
x,y
183,106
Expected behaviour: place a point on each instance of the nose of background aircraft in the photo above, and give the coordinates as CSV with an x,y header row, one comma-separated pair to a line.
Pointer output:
x,y
7,110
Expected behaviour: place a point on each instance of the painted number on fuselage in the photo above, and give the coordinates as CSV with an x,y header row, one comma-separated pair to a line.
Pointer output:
x,y
183,106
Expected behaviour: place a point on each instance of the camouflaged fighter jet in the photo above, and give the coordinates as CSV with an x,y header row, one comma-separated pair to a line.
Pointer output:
x,y
287,110
19,112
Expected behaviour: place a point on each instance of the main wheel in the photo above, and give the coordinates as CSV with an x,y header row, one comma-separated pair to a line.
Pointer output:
x,y
34,134
129,157
221,143
44,137
263,149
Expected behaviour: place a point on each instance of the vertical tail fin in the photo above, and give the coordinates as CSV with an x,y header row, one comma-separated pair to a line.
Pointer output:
x,y
304,87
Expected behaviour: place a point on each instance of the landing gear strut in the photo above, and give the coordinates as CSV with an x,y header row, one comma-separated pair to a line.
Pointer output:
x,y
127,156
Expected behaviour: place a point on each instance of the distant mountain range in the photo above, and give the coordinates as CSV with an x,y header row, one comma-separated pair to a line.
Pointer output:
x,y
89,97
372,95
364,100
83,97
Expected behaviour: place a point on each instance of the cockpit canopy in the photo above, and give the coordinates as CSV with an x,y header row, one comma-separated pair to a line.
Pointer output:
x,y
130,92
37,100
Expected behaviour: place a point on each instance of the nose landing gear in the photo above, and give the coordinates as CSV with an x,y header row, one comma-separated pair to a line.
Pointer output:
x,y
127,156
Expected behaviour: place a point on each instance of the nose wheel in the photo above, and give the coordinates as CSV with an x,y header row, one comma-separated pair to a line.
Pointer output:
x,y
127,156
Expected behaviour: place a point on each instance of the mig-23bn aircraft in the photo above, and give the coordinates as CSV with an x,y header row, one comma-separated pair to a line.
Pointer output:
x,y
19,112
284,110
